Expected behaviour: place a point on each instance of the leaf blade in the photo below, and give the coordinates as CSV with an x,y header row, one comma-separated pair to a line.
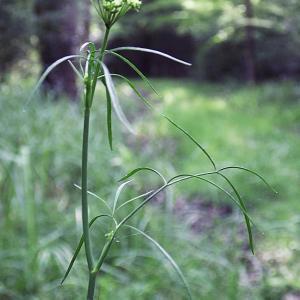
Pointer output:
x,y
135,68
247,220
78,248
109,119
117,195
252,172
137,170
49,70
167,256
115,100
153,52
188,135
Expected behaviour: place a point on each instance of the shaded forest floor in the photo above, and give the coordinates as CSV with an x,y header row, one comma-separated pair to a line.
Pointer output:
x,y
256,127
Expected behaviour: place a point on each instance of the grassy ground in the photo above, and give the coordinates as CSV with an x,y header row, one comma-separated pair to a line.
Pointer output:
x,y
257,127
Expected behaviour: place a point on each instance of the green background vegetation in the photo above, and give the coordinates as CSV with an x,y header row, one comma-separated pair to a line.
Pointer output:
x,y
252,125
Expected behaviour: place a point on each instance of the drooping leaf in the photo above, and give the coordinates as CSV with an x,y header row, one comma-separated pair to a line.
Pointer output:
x,y
201,177
119,190
114,99
96,196
135,68
252,172
108,119
151,51
75,70
49,70
89,45
78,248
167,256
247,220
189,136
133,199
192,139
133,172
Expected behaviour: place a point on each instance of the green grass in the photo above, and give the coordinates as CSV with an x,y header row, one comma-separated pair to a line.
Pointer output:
x,y
257,127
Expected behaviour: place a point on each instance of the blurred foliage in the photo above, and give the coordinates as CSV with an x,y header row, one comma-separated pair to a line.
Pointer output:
x,y
16,20
218,30
212,33
254,126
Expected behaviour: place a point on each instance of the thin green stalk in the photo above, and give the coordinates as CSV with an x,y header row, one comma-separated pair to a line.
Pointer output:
x,y
92,284
85,209
108,244
98,66
84,202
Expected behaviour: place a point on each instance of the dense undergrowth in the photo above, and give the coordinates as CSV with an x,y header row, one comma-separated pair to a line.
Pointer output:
x,y
257,127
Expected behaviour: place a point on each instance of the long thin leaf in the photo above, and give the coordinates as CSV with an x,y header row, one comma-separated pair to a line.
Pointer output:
x,y
133,199
133,172
247,220
192,139
151,51
167,256
108,119
137,92
119,190
78,248
49,70
115,100
200,177
135,68
75,70
96,196
167,118
252,172
89,45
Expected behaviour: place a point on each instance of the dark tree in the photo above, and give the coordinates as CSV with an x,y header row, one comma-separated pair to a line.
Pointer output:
x,y
61,27
15,32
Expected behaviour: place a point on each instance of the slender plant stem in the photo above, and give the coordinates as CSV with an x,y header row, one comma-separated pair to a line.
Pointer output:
x,y
84,190
92,284
85,208
98,65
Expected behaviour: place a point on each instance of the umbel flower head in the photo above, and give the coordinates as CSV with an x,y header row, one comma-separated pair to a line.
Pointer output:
x,y
111,10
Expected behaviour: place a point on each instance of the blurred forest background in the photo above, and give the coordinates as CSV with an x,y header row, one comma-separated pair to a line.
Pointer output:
x,y
240,99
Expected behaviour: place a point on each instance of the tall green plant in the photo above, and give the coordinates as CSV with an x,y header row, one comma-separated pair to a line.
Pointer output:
x,y
91,71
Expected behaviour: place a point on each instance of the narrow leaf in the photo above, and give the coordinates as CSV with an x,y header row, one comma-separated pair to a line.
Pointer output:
x,y
200,177
96,196
192,139
133,172
114,99
167,118
247,220
137,92
252,172
49,70
89,45
75,70
133,199
78,248
135,68
108,119
119,190
167,256
151,51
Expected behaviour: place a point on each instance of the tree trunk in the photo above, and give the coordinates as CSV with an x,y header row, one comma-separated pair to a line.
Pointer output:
x,y
249,43
60,30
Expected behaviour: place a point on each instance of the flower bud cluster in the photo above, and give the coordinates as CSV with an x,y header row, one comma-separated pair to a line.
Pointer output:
x,y
115,6
134,4
112,6
111,10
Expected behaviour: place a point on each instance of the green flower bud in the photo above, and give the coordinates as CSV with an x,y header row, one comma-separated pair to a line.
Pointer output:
x,y
134,4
